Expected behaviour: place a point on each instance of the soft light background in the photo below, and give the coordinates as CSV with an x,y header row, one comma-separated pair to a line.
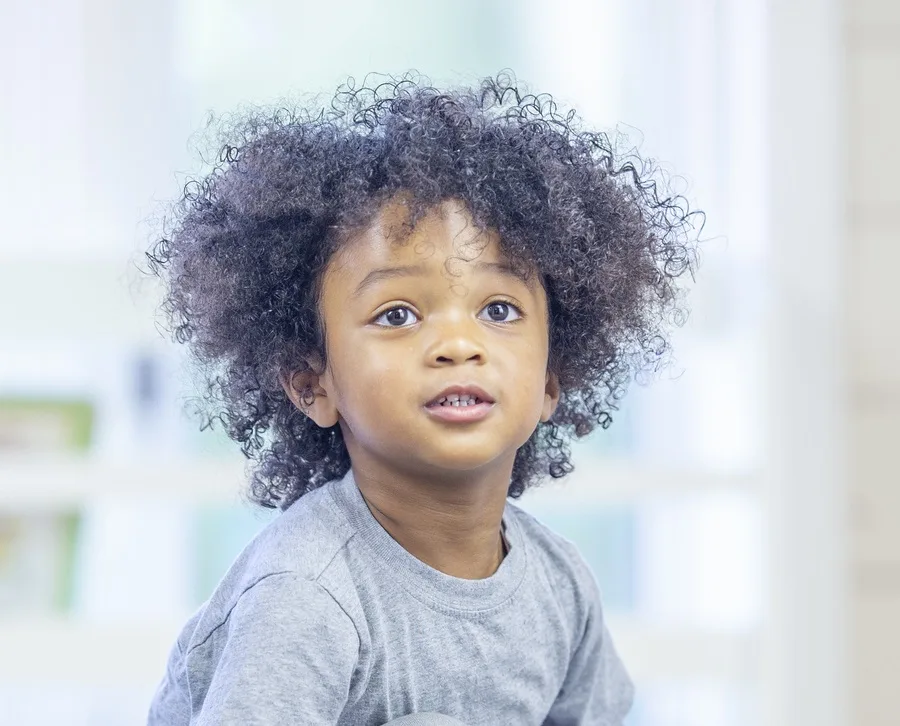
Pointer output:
x,y
716,511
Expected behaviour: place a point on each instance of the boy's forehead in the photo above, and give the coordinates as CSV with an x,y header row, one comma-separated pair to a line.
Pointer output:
x,y
444,238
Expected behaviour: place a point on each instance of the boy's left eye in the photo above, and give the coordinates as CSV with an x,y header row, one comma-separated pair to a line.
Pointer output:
x,y
497,311
396,317
401,316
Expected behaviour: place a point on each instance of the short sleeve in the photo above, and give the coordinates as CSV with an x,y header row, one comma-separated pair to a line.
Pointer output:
x,y
288,657
597,690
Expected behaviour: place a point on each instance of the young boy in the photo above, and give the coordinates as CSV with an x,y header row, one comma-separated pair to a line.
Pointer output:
x,y
410,305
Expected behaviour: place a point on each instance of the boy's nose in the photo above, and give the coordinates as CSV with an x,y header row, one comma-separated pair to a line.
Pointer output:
x,y
459,342
457,350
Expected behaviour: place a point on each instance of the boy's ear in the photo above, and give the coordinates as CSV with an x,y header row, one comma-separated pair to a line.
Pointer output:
x,y
551,396
305,391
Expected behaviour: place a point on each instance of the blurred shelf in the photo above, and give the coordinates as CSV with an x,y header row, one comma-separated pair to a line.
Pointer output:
x,y
602,481
65,481
93,299
61,481
67,650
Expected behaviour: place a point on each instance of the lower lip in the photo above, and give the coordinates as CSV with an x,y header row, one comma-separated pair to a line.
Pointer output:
x,y
461,414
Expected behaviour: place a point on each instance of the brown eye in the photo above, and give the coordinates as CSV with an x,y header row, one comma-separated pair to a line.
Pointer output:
x,y
498,312
396,317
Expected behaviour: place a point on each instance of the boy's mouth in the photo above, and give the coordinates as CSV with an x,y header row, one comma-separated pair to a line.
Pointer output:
x,y
456,400
460,397
461,404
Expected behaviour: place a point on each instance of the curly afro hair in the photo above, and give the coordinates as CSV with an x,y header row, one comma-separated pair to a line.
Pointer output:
x,y
246,245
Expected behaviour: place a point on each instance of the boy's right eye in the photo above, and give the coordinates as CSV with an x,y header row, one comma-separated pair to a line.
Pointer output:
x,y
395,317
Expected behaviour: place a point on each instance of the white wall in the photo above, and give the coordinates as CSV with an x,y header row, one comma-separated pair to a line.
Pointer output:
x,y
871,34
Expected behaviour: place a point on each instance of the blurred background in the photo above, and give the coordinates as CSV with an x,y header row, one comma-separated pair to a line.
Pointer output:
x,y
741,512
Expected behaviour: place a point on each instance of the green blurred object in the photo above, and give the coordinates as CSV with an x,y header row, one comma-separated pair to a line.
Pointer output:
x,y
37,551
45,424
37,562
69,525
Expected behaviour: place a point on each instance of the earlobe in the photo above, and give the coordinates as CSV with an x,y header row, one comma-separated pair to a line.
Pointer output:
x,y
551,396
305,392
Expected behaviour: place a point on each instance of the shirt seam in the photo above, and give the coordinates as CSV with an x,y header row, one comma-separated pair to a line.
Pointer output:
x,y
227,615
359,639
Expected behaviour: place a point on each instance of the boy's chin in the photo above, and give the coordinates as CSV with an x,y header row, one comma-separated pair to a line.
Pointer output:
x,y
462,462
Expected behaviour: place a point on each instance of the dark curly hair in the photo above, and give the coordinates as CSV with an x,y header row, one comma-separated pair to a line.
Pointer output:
x,y
243,253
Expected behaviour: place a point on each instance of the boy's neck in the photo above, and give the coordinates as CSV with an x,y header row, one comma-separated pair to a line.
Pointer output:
x,y
453,527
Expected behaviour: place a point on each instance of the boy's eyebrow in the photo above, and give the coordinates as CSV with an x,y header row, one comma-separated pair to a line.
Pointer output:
x,y
385,273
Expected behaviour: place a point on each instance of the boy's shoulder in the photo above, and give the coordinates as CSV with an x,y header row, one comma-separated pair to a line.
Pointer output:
x,y
302,540
558,559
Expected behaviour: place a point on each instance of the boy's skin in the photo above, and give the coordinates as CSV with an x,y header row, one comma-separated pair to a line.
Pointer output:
x,y
439,488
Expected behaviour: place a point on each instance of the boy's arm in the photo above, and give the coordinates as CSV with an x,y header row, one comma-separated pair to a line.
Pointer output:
x,y
288,658
597,690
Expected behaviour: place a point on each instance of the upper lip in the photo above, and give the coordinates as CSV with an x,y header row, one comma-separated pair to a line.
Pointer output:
x,y
476,391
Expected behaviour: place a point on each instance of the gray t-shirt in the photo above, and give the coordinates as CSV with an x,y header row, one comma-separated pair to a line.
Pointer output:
x,y
324,618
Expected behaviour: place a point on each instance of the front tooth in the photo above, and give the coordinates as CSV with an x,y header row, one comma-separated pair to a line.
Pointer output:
x,y
455,399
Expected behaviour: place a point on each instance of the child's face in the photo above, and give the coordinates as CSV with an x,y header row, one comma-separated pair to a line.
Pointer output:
x,y
395,342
